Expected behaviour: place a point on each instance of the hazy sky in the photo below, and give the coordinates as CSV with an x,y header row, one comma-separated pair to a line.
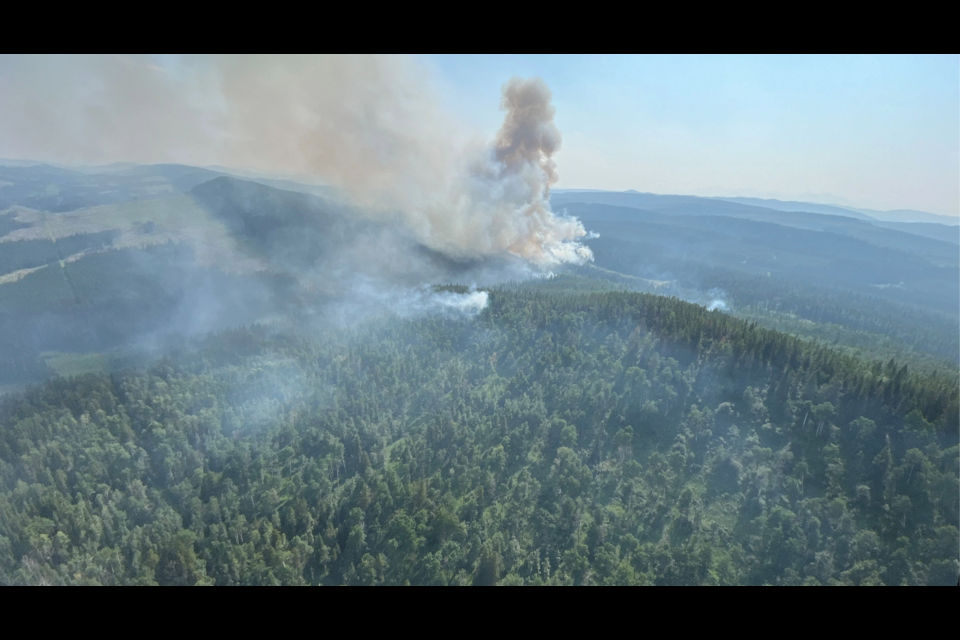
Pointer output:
x,y
878,132
869,131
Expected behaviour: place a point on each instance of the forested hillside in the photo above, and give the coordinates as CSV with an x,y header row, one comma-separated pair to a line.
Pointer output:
x,y
607,438
121,298
75,283
330,320
844,281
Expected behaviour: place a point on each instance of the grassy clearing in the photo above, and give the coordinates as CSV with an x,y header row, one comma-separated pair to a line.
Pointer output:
x,y
144,222
73,364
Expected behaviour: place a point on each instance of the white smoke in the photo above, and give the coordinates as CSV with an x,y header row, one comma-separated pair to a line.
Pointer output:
x,y
370,298
716,305
717,300
472,302
506,191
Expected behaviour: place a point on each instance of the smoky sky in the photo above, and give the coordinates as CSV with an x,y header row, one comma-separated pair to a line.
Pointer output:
x,y
371,126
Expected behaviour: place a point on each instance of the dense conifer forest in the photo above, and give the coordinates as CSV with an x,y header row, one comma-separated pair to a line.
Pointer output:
x,y
318,320
585,438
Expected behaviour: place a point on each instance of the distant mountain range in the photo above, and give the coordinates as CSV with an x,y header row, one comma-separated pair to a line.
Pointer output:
x,y
185,177
910,215
805,215
59,189
793,205
638,198
895,215
99,260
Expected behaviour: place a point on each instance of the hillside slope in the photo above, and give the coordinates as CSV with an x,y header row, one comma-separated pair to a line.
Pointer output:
x,y
602,439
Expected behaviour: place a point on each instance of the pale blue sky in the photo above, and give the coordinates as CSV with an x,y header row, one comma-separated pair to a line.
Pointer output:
x,y
866,131
875,132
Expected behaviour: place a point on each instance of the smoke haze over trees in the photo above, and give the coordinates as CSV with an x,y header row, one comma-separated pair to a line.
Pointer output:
x,y
554,439
392,353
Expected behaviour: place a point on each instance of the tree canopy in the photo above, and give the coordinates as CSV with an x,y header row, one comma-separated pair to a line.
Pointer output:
x,y
604,438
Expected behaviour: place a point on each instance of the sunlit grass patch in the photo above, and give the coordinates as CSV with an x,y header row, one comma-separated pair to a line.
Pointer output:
x,y
73,364
145,222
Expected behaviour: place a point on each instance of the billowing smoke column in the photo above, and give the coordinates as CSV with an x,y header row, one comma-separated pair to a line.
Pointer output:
x,y
501,203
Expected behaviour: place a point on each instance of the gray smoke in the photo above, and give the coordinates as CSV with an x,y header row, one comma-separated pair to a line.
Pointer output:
x,y
371,126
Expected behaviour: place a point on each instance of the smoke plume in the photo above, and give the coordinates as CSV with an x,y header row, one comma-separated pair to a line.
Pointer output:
x,y
371,126
501,203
